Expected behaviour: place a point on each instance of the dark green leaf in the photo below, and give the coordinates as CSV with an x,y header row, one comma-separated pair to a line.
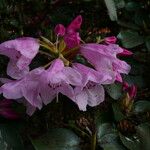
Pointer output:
x,y
10,138
111,7
114,90
132,143
129,25
130,39
118,115
120,3
57,139
143,131
148,43
141,106
107,136
132,6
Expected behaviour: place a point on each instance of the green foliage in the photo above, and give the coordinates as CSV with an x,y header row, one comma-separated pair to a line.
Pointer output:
x,y
9,137
57,139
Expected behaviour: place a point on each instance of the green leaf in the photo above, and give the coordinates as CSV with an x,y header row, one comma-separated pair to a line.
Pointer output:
x,y
148,43
143,131
57,139
118,115
132,143
137,80
111,7
132,6
10,138
114,90
130,39
141,106
120,3
129,25
107,135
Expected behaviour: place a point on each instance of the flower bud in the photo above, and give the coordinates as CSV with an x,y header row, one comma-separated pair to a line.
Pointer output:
x,y
59,30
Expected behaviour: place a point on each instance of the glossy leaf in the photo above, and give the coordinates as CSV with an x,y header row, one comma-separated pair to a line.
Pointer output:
x,y
141,106
111,7
130,39
57,139
114,90
10,138
132,143
143,131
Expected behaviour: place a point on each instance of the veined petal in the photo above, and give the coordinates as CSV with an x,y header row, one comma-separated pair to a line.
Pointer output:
x,y
12,90
95,95
81,98
56,66
72,76
14,72
27,46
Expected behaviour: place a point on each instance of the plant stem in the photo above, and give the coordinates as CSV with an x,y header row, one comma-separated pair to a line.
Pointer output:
x,y
93,141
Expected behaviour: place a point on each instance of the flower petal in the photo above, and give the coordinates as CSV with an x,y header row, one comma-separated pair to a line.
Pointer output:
x,y
14,72
95,95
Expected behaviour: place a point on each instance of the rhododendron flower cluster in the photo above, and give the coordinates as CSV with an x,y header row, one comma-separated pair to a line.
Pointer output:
x,y
81,83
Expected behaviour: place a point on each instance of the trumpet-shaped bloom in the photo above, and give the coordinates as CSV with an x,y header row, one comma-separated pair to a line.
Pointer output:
x,y
20,51
58,79
42,86
103,58
91,92
71,34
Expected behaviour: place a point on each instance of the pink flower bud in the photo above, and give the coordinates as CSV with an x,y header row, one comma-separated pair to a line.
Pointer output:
x,y
125,53
59,30
110,40
132,91
125,85
6,111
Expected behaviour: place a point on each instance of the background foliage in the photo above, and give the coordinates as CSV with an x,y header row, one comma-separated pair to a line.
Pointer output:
x,y
108,126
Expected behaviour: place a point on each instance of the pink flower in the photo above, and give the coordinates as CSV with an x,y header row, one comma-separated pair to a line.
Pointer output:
x,y
91,91
71,34
20,51
132,90
58,79
103,58
110,40
42,86
125,53
60,30
6,111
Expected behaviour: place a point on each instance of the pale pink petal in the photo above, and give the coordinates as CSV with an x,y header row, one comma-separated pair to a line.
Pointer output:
x,y
81,99
47,94
14,72
27,46
90,74
23,62
5,80
12,90
66,90
30,91
95,95
56,66
72,76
